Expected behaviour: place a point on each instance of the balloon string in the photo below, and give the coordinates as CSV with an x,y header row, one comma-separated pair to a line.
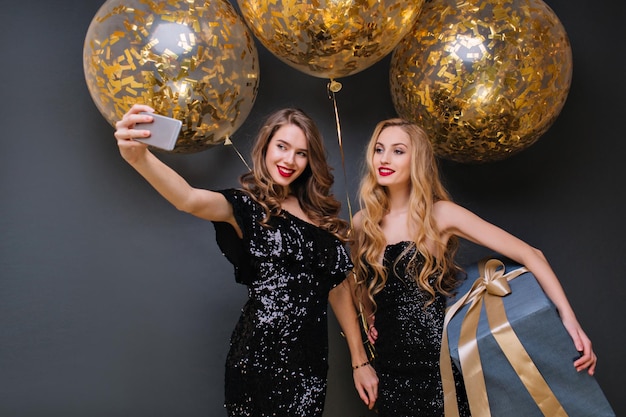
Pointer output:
x,y
229,142
334,87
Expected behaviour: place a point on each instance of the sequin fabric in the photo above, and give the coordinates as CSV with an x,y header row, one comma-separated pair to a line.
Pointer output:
x,y
278,358
409,342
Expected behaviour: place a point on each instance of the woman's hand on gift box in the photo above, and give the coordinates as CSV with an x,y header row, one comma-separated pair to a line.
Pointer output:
x,y
588,358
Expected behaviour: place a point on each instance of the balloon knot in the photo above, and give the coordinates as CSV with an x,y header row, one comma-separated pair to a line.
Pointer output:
x,y
334,86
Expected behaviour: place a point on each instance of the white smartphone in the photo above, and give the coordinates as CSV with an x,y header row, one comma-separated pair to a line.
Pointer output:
x,y
164,131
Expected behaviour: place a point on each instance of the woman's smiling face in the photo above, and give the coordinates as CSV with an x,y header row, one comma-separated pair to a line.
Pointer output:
x,y
286,157
392,157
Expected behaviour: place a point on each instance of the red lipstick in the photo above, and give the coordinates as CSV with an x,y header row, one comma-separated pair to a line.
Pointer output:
x,y
284,172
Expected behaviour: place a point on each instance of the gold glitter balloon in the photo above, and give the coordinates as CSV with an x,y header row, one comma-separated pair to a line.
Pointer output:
x,y
484,78
195,61
330,39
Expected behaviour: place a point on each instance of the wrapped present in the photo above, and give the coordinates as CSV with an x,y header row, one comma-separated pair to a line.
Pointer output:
x,y
514,353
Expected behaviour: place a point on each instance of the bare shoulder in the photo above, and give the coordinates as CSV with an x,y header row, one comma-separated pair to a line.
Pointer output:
x,y
444,208
357,220
448,214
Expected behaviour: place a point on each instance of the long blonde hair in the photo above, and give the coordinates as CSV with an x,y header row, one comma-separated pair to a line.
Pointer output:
x,y
312,188
437,273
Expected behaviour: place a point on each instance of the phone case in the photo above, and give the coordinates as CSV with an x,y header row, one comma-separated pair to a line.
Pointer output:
x,y
164,131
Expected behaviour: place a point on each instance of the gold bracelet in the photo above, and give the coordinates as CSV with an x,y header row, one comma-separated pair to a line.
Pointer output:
x,y
361,365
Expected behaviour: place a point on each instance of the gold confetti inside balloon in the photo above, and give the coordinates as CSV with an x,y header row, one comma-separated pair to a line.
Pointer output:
x,y
485,78
329,38
195,61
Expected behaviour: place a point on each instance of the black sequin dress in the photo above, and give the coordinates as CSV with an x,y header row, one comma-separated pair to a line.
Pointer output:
x,y
278,359
409,342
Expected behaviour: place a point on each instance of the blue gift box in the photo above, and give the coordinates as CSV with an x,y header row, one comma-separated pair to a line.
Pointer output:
x,y
536,324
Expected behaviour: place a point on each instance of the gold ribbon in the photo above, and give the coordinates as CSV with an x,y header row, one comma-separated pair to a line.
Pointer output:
x,y
333,87
491,285
229,142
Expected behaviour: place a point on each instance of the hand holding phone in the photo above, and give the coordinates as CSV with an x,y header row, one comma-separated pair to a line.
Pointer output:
x,y
164,131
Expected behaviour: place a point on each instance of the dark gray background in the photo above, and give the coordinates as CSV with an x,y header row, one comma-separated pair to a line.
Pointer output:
x,y
112,303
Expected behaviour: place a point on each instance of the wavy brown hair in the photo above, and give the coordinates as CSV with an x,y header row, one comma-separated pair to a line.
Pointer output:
x,y
439,269
312,188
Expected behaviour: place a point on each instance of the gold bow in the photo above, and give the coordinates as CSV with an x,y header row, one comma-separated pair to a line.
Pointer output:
x,y
491,285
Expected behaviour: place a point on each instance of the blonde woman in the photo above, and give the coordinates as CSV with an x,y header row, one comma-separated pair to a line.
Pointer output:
x,y
405,239
283,234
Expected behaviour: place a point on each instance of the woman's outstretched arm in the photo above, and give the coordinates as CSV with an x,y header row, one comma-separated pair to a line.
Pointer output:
x,y
454,219
202,203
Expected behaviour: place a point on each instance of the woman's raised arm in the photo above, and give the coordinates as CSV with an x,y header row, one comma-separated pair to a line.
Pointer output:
x,y
206,204
454,219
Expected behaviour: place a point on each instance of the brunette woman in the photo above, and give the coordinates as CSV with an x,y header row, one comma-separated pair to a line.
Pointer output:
x,y
282,232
